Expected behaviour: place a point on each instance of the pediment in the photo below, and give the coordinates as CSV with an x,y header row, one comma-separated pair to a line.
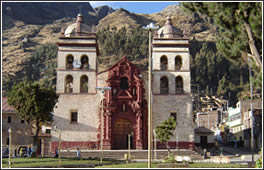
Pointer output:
x,y
124,94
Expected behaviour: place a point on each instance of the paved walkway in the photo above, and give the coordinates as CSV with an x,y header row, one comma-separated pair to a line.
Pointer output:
x,y
239,151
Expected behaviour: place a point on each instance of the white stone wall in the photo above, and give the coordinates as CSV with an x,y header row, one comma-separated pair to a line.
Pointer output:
x,y
87,106
162,107
21,132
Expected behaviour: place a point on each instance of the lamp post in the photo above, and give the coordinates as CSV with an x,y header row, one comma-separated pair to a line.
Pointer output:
x,y
251,110
102,89
59,149
155,144
129,144
149,27
9,151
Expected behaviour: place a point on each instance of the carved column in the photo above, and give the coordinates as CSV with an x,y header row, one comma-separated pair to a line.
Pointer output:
x,y
107,139
139,130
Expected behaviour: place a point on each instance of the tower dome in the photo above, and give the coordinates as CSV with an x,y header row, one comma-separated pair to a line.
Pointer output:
x,y
169,31
78,28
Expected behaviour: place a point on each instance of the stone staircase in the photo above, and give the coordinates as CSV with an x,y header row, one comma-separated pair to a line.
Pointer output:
x,y
135,154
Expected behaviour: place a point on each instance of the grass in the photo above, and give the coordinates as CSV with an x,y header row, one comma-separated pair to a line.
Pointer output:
x,y
53,162
40,162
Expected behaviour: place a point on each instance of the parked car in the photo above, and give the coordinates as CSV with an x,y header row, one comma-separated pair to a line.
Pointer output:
x,y
22,151
5,152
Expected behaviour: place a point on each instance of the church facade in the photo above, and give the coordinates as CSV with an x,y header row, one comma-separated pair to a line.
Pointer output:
x,y
122,109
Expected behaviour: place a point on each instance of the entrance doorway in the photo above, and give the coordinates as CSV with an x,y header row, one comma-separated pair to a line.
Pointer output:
x,y
122,128
203,140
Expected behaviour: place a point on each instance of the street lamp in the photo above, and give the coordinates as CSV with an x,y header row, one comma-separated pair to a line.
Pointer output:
x,y
129,143
9,151
149,27
102,89
59,156
155,144
251,108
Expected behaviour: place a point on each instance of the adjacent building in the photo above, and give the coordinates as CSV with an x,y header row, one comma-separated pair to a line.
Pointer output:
x,y
22,133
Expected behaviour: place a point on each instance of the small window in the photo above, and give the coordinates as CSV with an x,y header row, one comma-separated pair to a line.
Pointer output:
x,y
47,131
9,119
22,121
124,83
74,117
174,115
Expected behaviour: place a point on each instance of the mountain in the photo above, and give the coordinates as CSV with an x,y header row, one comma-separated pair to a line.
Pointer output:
x,y
125,19
103,11
28,25
45,12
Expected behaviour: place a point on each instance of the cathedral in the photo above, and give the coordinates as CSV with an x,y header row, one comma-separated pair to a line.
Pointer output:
x,y
84,115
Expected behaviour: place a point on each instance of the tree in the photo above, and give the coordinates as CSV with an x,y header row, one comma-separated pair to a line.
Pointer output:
x,y
42,64
238,26
165,130
33,103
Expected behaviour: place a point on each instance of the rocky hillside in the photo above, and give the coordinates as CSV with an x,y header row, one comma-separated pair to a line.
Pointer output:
x,y
25,28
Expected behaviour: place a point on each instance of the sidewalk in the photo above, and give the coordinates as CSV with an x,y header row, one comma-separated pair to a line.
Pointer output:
x,y
239,151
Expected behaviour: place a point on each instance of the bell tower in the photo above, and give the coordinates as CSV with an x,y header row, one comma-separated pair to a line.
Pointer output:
x,y
75,113
171,79
77,55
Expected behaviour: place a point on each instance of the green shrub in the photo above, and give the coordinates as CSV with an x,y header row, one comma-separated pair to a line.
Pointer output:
x,y
259,161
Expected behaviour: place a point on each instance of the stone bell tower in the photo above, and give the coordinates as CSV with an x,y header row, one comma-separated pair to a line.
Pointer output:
x,y
75,113
172,84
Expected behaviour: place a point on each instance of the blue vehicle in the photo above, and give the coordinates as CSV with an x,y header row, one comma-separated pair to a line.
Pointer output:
x,y
5,152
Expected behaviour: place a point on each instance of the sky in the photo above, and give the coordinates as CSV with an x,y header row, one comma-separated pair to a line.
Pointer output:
x,y
146,7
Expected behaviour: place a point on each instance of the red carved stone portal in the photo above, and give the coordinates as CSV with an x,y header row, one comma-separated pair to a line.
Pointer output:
x,y
125,109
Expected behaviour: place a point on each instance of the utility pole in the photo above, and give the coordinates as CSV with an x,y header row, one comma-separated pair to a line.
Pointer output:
x,y
10,147
251,111
149,28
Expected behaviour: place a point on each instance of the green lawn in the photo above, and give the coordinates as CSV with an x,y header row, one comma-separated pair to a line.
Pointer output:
x,y
53,162
39,162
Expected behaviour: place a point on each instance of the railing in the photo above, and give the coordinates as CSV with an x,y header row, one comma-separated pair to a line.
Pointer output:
x,y
164,90
178,67
163,67
68,90
69,66
179,91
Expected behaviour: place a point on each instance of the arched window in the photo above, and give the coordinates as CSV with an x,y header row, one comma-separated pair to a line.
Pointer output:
x,y
178,62
163,63
69,61
84,62
68,84
164,85
84,84
179,85
124,83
